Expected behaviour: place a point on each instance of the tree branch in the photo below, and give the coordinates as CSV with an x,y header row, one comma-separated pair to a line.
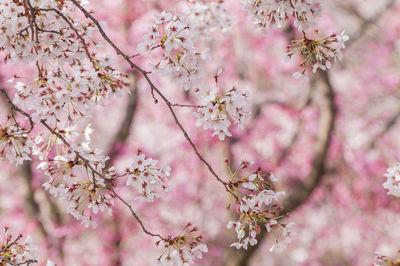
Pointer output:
x,y
388,126
145,74
85,161
366,23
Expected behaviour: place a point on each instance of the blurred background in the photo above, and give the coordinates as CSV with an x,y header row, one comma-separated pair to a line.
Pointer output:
x,y
329,141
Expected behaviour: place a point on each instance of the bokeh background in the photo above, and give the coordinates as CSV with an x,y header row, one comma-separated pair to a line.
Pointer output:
x,y
329,141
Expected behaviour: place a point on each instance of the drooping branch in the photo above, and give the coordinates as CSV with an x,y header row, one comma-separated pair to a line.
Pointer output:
x,y
84,160
153,88
87,163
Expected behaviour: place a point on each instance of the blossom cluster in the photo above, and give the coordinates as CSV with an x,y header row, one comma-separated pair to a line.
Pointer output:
x,y
182,249
257,202
70,80
177,34
149,180
392,183
274,13
317,53
77,182
216,110
79,177
382,260
70,77
314,53
15,144
15,251
45,141
206,17
180,58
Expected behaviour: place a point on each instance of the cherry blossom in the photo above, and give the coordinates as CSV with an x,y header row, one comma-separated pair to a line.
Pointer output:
x,y
15,145
273,14
149,180
206,17
60,93
392,183
75,181
65,68
317,54
217,110
382,260
15,251
180,59
182,249
257,202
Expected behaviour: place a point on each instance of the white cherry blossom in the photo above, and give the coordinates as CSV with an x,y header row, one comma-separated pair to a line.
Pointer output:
x,y
217,111
180,59
15,144
206,17
274,13
149,180
257,202
17,250
392,183
317,54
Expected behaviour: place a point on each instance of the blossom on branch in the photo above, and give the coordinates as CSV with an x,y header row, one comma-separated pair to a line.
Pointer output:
x,y
274,13
382,260
182,249
180,57
317,53
392,183
15,251
15,144
149,180
78,182
217,110
256,202
70,76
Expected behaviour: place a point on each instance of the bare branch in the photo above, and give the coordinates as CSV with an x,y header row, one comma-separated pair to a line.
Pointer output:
x,y
135,215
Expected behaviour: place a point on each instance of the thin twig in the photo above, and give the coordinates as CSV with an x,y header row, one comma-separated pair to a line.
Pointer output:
x,y
135,215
